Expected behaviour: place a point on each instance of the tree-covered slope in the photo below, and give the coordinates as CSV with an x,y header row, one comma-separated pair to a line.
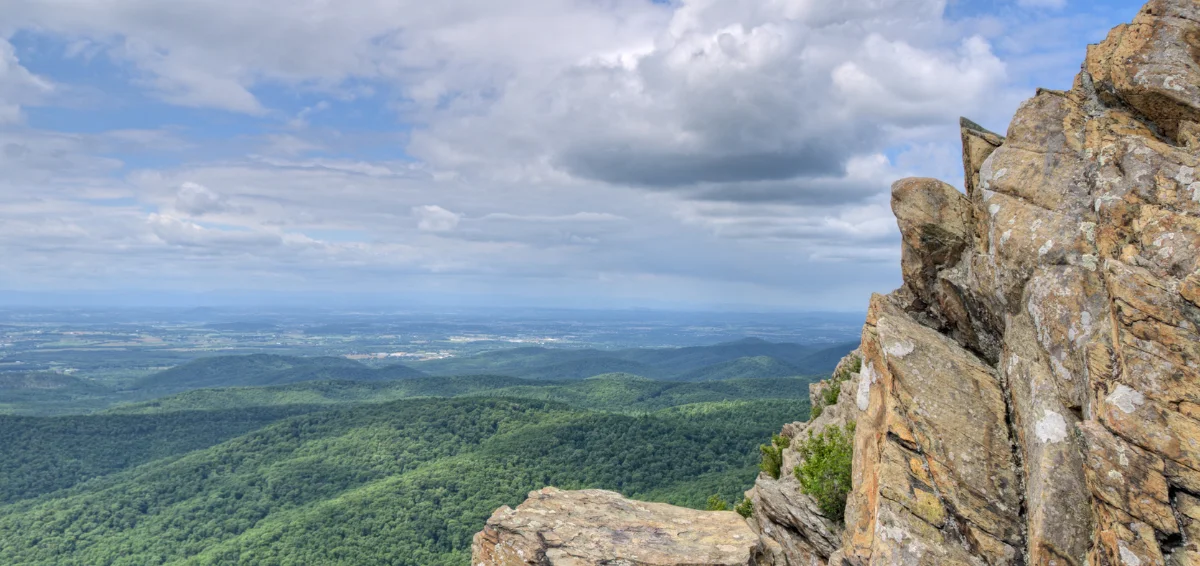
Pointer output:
x,y
587,367
690,358
265,369
47,381
47,392
620,393
826,358
403,483
319,393
39,455
749,367
610,392
658,363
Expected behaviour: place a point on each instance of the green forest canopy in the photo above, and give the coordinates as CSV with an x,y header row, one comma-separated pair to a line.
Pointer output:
x,y
406,482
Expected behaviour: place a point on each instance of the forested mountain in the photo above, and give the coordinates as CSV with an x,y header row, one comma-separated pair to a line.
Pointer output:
x,y
610,392
749,367
46,393
657,363
588,367
266,369
46,381
694,357
49,392
276,459
406,482
40,455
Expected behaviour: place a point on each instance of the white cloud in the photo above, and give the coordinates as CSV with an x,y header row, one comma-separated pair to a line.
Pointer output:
x,y
739,144
197,200
181,232
894,81
576,217
727,92
433,218
18,86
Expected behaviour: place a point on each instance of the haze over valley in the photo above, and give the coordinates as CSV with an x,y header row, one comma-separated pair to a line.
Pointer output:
x,y
262,436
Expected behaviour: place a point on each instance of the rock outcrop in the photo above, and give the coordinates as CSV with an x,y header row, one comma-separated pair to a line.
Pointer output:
x,y
790,523
1031,394
595,527
1031,385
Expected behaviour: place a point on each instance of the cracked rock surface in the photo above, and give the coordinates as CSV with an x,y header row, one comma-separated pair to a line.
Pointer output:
x,y
1035,380
595,527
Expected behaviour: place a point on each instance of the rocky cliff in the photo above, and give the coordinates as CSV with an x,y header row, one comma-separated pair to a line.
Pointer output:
x,y
1031,394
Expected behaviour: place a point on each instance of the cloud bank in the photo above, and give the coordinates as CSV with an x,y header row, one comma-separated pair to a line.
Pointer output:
x,y
694,152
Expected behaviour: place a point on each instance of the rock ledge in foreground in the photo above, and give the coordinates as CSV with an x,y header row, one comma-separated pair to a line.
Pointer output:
x,y
593,527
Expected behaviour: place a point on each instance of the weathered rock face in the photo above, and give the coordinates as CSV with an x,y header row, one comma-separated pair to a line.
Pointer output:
x,y
595,527
1031,395
1033,384
785,517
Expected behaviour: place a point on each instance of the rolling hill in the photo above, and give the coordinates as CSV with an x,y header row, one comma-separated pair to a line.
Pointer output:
x,y
266,369
403,483
750,367
658,363
47,381
54,394
49,392
588,367
43,454
609,392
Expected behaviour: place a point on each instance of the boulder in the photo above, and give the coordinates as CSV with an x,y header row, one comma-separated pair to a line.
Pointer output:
x,y
595,527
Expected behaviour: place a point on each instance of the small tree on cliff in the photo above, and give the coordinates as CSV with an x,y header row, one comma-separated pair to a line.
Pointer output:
x,y
824,472
716,503
772,455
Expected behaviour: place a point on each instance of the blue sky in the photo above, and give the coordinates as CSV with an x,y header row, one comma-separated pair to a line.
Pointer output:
x,y
583,153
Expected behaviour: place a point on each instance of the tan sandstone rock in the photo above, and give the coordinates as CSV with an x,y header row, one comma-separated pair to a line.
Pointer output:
x,y
595,527
784,516
1085,220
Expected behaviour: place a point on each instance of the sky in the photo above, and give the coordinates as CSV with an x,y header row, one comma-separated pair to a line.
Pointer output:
x,y
698,154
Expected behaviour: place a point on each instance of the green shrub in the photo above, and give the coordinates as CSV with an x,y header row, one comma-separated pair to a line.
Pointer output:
x,y
824,472
745,508
715,503
831,393
772,455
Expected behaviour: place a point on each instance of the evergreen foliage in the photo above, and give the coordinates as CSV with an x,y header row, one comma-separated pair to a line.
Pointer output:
x,y
772,455
40,455
405,483
825,469
266,369
610,392
745,508
715,503
742,358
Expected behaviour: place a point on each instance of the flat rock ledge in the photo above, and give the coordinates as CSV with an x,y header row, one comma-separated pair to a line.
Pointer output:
x,y
595,527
